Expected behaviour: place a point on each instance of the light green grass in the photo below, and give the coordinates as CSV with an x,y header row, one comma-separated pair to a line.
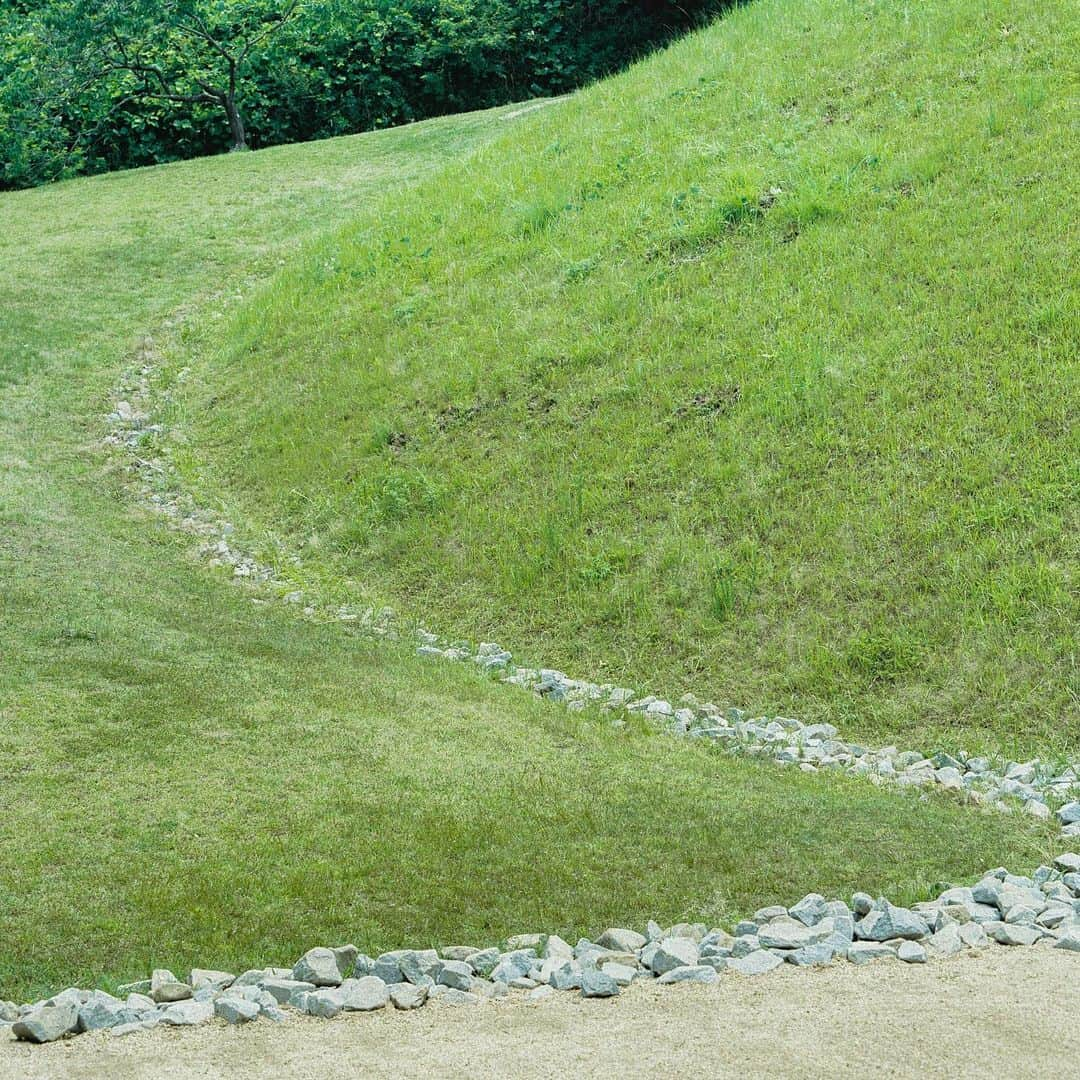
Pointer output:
x,y
601,396
188,778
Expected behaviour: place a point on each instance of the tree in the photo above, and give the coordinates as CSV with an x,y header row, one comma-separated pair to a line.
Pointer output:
x,y
185,51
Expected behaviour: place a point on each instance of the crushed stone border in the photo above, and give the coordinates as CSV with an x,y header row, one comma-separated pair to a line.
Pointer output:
x,y
1000,910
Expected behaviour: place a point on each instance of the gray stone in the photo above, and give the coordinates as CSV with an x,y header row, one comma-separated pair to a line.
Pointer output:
x,y
911,952
450,996
1011,896
623,974
767,914
1021,915
512,965
885,921
862,952
282,990
812,955
484,961
166,987
455,973
986,891
523,941
188,1013
1054,916
203,978
47,1023
1068,862
719,942
983,913
973,935
555,948
622,940
958,895
700,973
388,968
1069,940
346,956
142,986
566,977
325,1003
254,976
843,932
788,933
318,966
458,952
1069,814
365,994
948,941
673,953
756,963
486,989
950,779
744,946
1010,934
102,1011
811,909
406,996
861,903
140,1002
418,966
541,993
236,1010
595,984
71,995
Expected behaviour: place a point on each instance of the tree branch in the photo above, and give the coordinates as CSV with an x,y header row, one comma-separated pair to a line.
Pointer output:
x,y
270,27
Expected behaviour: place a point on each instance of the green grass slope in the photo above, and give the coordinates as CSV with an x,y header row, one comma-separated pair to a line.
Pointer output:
x,y
750,370
187,778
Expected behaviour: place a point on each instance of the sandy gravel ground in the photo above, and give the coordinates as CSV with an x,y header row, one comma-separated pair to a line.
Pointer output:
x,y
1010,1013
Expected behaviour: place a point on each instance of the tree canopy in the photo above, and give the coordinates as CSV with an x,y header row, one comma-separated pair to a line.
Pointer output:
x,y
92,85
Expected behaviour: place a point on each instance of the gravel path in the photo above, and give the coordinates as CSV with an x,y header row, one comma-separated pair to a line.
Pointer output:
x,y
1005,1013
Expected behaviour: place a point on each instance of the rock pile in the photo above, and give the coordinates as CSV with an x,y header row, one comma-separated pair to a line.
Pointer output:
x,y
1001,909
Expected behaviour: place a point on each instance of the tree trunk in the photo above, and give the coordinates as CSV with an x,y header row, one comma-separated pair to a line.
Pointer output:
x,y
236,123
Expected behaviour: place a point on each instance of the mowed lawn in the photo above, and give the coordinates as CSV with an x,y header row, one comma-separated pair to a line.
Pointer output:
x,y
752,371
187,778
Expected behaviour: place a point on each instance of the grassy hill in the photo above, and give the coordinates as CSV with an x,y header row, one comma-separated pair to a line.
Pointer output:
x,y
188,778
750,370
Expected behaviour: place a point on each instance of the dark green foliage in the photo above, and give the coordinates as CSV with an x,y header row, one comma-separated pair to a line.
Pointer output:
x,y
341,66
